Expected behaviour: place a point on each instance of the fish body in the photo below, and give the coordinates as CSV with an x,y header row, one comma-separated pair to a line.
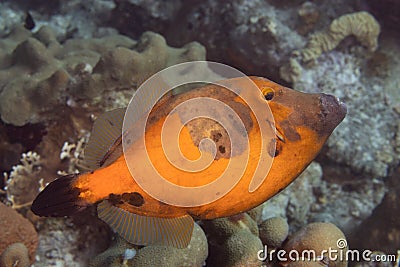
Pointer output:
x,y
302,123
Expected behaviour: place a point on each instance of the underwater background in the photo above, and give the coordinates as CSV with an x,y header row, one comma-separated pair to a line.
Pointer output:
x,y
63,63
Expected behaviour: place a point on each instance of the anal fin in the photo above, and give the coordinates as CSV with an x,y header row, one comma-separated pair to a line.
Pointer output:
x,y
144,230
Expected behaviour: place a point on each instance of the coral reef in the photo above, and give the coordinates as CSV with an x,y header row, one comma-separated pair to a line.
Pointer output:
x,y
10,151
387,11
10,15
84,68
381,231
274,231
15,255
252,35
55,90
194,255
122,253
71,241
22,184
372,127
74,154
233,241
16,229
362,25
256,214
310,198
114,255
72,19
309,15
319,237
153,15
55,84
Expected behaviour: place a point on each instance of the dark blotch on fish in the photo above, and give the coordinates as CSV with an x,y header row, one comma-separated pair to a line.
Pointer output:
x,y
290,131
134,199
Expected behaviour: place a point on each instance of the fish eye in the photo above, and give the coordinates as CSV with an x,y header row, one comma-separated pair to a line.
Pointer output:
x,y
268,93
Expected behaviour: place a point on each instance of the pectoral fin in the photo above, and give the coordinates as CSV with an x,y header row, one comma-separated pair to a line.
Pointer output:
x,y
143,230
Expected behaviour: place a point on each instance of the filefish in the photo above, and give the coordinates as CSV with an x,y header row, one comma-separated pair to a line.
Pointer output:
x,y
302,121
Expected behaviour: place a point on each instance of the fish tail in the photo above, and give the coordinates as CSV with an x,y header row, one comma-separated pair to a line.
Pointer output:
x,y
59,198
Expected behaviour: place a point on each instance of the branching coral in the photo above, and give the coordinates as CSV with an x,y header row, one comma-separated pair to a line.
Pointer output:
x,y
22,182
360,24
73,153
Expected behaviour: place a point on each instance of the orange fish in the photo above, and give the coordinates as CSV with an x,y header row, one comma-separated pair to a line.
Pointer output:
x,y
302,124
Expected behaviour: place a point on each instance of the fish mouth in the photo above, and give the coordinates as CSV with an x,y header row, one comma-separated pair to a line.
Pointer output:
x,y
333,111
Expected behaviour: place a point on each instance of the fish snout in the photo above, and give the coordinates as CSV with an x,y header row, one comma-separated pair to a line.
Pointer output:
x,y
333,111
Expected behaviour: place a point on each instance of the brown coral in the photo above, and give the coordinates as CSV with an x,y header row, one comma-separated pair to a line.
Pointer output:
x,y
194,255
37,71
317,237
121,253
16,229
233,241
274,231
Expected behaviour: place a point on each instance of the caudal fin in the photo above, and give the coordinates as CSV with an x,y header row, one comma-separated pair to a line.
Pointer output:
x,y
59,198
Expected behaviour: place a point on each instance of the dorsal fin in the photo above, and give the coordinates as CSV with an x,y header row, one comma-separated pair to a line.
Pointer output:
x,y
143,230
104,145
